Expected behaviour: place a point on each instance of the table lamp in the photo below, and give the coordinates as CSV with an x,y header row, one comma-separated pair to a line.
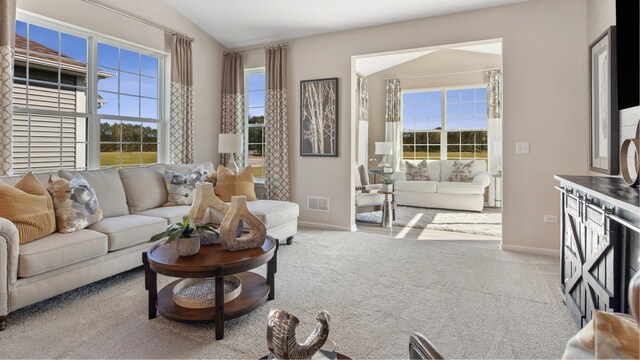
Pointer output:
x,y
230,144
384,149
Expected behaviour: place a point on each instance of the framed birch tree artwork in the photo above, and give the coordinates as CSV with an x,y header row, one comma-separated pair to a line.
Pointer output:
x,y
319,117
604,140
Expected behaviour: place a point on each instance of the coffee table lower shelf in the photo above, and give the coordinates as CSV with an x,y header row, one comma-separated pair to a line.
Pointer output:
x,y
255,290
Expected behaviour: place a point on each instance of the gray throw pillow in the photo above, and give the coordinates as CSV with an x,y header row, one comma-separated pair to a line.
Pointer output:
x,y
182,188
364,177
75,203
418,172
461,171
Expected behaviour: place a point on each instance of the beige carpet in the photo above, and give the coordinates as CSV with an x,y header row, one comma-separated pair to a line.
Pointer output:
x,y
488,222
471,301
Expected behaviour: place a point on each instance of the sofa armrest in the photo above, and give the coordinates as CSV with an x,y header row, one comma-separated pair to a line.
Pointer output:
x,y
9,243
399,176
482,178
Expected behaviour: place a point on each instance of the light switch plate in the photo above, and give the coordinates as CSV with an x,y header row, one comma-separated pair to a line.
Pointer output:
x,y
522,148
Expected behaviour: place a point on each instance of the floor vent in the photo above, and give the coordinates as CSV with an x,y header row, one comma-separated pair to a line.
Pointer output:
x,y
317,204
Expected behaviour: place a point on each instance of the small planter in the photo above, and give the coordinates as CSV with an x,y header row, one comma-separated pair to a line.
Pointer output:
x,y
387,187
188,246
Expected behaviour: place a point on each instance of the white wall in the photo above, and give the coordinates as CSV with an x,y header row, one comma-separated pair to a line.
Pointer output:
x,y
545,103
207,52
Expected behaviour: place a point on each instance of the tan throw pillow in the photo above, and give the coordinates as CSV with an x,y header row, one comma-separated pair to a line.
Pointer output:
x,y
606,336
418,172
212,178
75,202
29,206
461,171
229,185
182,188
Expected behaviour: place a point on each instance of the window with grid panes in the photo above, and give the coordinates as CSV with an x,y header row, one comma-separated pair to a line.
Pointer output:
x,y
255,100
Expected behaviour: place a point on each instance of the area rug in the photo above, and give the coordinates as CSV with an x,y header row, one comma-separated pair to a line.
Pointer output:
x,y
488,222
470,301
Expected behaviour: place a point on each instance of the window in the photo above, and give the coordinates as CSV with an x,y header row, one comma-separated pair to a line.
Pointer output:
x,y
128,107
50,105
56,71
255,88
445,124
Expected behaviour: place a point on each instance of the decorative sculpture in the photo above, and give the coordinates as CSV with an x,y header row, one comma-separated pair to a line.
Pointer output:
x,y
205,199
238,211
632,179
281,335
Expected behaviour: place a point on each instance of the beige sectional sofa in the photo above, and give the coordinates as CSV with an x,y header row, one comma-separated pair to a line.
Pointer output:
x,y
131,200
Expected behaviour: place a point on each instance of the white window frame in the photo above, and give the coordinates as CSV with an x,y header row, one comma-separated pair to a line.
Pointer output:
x,y
93,118
444,131
248,72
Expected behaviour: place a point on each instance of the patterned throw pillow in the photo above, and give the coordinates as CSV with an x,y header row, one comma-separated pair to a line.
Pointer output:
x,y
182,188
461,171
28,205
418,172
75,203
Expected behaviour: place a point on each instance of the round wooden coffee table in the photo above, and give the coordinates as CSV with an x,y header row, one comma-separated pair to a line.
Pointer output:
x,y
212,261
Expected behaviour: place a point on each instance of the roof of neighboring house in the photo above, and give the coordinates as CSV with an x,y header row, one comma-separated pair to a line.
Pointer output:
x,y
48,57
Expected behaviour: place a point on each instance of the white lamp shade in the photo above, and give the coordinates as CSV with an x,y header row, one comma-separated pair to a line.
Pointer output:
x,y
230,143
384,148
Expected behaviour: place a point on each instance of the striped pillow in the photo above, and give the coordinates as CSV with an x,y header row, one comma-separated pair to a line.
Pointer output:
x,y
29,206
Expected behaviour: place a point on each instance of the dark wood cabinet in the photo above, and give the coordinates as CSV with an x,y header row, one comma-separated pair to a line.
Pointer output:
x,y
600,244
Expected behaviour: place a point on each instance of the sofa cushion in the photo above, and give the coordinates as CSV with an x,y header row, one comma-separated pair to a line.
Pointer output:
x,y
29,207
75,203
447,187
446,166
58,250
172,214
108,187
270,212
144,187
416,186
128,230
43,178
184,169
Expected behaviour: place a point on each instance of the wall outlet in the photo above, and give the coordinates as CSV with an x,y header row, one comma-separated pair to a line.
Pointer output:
x,y
550,219
522,148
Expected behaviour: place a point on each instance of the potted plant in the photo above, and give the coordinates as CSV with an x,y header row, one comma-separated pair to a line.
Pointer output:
x,y
387,183
187,235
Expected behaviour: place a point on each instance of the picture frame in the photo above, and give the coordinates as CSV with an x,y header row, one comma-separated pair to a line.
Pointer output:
x,y
604,136
319,117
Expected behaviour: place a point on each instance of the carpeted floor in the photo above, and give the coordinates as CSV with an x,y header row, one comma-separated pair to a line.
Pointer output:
x,y
488,222
471,301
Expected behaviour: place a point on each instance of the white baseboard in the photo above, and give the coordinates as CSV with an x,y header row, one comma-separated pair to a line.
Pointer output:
x,y
323,226
530,250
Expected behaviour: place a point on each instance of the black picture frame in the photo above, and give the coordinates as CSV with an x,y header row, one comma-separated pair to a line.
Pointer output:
x,y
319,94
604,138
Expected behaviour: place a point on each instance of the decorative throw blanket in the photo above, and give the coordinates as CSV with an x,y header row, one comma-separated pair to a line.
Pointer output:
x,y
606,336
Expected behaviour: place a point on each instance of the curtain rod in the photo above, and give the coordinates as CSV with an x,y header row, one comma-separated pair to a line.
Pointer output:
x,y
446,74
139,19
255,48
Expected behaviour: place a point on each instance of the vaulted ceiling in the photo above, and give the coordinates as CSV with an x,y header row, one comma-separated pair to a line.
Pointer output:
x,y
241,23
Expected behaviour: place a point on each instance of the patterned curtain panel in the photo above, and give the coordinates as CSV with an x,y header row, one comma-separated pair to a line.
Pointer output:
x,y
276,127
232,101
7,48
181,116
494,89
363,121
393,126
